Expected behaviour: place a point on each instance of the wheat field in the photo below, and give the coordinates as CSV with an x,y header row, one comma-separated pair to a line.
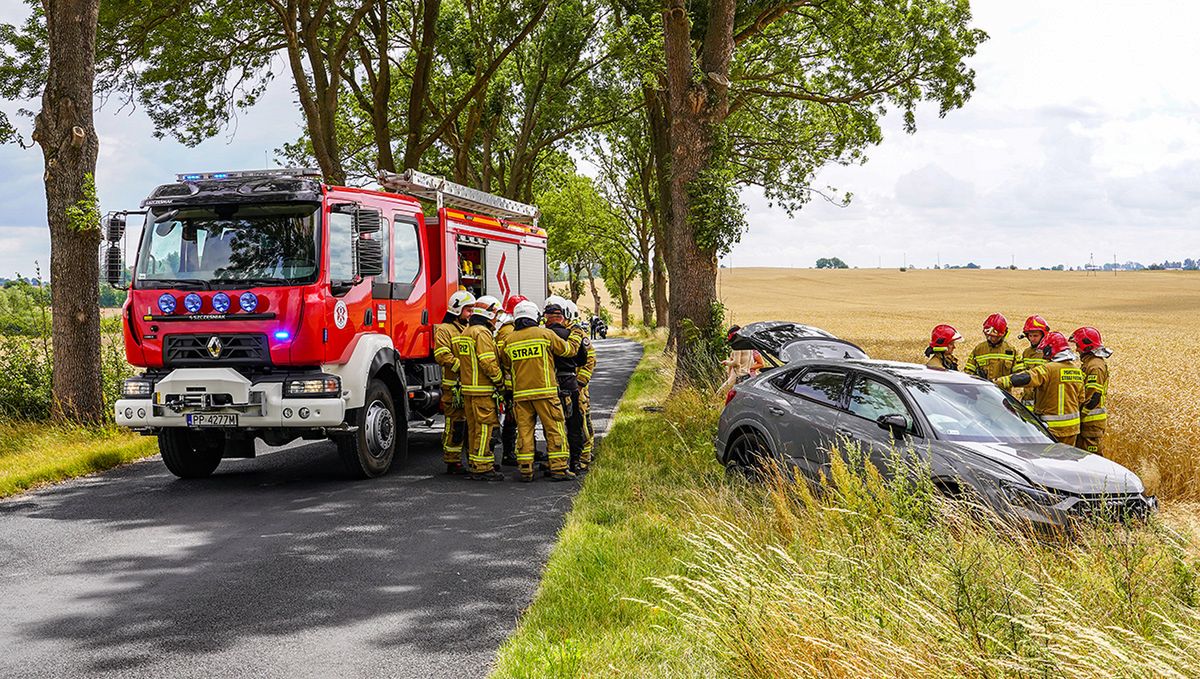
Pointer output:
x,y
1150,319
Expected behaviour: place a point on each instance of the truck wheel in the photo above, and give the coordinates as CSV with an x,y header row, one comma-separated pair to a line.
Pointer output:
x,y
369,451
191,454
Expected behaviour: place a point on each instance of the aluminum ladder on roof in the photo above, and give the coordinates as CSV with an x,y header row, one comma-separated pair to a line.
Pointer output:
x,y
447,193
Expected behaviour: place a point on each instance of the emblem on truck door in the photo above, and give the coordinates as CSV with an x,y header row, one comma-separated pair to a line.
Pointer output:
x,y
340,314
214,347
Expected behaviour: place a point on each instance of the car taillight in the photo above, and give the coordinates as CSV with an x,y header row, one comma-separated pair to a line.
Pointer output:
x,y
730,395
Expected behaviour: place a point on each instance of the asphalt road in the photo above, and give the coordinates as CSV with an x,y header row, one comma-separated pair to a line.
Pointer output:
x,y
278,566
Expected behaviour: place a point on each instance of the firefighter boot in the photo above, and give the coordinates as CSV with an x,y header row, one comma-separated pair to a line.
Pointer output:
x,y
481,420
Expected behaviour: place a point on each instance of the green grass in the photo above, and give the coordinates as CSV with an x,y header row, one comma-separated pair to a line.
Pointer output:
x,y
33,454
666,568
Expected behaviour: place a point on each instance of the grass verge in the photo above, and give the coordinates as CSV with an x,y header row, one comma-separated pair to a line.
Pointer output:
x,y
666,568
33,454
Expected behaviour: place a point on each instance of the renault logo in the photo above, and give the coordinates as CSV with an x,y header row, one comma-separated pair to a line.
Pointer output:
x,y
214,347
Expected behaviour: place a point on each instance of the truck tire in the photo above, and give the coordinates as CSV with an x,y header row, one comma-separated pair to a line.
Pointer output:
x,y
191,454
370,450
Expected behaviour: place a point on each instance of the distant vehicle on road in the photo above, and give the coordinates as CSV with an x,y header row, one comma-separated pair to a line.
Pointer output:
x,y
975,438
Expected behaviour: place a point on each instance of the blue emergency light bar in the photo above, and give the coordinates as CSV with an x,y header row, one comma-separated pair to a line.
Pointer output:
x,y
289,172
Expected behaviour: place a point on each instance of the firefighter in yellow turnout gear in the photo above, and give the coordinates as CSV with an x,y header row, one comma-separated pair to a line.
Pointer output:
x,y
528,356
1035,331
584,376
1059,386
458,309
1093,414
479,377
994,357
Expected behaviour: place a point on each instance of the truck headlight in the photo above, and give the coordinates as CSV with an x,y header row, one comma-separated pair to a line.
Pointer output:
x,y
137,387
327,385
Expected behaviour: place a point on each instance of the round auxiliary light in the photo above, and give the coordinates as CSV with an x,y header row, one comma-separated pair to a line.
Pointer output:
x,y
220,302
192,302
166,303
248,301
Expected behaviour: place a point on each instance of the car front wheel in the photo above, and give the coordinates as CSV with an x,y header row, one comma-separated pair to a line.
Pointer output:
x,y
750,455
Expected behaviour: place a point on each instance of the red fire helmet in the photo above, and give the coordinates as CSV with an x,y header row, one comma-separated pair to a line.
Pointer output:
x,y
1087,339
942,336
1036,322
1053,343
996,325
511,304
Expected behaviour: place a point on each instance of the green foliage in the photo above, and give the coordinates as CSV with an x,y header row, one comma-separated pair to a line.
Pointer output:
x,y
25,378
34,453
84,215
24,309
831,263
718,217
707,347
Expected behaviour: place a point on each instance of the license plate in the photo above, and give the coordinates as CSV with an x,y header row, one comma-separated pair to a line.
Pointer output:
x,y
212,420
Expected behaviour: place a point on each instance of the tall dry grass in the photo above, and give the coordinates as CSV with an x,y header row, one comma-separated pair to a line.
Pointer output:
x,y
887,579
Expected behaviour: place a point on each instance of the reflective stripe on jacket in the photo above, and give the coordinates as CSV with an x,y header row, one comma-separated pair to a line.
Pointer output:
x,y
993,361
529,355
1059,388
479,371
1095,372
443,351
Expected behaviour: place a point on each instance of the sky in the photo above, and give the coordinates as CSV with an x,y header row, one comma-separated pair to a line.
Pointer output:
x,y
1081,141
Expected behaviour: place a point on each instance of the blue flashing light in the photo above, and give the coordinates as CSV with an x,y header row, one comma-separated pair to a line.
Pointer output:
x,y
282,334
220,175
192,302
166,303
248,301
220,302
191,177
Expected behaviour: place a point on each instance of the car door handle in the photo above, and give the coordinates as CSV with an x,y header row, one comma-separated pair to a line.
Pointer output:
x,y
775,410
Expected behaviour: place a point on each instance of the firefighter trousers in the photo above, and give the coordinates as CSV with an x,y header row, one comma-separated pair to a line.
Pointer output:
x,y
589,434
549,412
481,420
455,429
1091,440
574,421
1065,439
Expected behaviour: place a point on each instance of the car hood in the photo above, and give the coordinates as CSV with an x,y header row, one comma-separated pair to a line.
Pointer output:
x,y
1056,465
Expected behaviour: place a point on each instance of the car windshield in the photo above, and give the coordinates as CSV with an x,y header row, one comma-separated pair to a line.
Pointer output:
x,y
231,245
976,412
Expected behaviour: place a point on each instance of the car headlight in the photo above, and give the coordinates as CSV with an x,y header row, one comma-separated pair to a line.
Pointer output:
x,y
1028,496
136,387
327,385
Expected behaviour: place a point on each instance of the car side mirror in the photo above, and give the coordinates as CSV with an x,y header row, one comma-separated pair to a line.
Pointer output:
x,y
895,423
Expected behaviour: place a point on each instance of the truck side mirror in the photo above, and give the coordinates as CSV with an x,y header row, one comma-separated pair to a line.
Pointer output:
x,y
114,227
368,253
113,271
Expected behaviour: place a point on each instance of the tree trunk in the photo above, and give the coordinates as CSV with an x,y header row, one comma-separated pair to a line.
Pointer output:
x,y
661,153
595,291
575,286
661,304
625,306
413,147
696,108
65,132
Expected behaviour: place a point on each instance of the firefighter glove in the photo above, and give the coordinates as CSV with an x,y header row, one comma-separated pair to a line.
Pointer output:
x,y
1004,382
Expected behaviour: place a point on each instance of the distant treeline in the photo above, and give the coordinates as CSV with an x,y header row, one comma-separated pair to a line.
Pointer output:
x,y
25,305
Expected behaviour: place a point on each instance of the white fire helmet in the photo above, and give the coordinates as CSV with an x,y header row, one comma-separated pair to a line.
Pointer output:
x,y
556,301
487,306
572,310
459,301
527,310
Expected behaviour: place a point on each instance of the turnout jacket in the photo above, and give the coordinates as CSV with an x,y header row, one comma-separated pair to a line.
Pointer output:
x,y
1093,413
502,334
566,367
443,349
1059,390
994,360
529,355
941,360
479,371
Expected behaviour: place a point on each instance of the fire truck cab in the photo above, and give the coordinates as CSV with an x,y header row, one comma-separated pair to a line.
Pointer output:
x,y
266,304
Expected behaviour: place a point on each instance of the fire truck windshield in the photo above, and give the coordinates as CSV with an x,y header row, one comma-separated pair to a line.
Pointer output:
x,y
229,245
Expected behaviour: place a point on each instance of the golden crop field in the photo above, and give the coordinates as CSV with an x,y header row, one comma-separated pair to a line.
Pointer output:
x,y
1151,320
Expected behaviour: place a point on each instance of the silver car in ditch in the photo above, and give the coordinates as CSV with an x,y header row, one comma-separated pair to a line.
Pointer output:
x,y
972,435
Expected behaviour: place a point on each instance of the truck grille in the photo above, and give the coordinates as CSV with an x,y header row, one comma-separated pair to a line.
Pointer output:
x,y
191,351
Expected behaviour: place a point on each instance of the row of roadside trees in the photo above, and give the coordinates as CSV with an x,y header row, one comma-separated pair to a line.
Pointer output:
x,y
673,107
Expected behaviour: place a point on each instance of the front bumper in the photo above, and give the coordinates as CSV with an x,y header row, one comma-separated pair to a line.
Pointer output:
x,y
258,404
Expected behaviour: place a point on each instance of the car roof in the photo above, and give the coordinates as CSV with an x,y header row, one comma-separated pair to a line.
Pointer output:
x,y
895,369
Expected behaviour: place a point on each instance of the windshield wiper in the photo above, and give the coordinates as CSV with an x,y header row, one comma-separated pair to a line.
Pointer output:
x,y
244,282
187,283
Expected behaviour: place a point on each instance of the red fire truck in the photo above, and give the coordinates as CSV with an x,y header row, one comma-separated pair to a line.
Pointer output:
x,y
266,304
